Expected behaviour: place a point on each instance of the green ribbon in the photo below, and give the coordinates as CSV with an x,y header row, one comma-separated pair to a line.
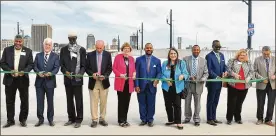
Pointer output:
x,y
152,79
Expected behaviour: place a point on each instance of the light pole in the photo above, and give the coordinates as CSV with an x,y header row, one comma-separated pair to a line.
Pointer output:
x,y
170,24
137,38
249,4
142,36
118,43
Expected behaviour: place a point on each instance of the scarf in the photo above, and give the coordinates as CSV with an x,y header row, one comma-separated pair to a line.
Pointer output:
x,y
76,49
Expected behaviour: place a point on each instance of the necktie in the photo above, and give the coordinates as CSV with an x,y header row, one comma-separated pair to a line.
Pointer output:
x,y
99,63
45,60
267,65
218,57
148,64
194,67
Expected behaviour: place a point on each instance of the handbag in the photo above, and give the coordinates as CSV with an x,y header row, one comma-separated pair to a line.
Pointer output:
x,y
184,93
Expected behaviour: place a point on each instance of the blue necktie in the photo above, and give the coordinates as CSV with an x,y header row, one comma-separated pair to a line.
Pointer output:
x,y
194,67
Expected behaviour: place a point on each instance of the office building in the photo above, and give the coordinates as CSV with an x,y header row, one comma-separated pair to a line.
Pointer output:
x,y
39,33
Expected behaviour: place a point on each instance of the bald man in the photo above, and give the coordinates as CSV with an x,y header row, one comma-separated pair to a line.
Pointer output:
x,y
98,65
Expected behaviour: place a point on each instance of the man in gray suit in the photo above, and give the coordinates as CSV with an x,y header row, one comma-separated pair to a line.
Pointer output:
x,y
264,66
197,67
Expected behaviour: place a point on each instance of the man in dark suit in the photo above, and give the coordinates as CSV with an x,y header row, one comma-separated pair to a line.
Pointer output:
x,y
46,64
72,62
17,59
216,69
98,65
147,66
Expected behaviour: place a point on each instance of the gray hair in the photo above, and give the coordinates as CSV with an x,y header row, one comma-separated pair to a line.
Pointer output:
x,y
266,48
48,40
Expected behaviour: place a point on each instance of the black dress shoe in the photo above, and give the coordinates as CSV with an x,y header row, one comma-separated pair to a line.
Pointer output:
x,y
94,124
8,124
51,123
180,127
150,124
218,122
103,123
169,123
77,125
211,122
186,121
229,122
239,122
23,124
142,123
69,123
197,124
39,123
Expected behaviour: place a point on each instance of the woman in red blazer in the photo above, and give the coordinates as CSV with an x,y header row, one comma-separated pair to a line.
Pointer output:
x,y
124,70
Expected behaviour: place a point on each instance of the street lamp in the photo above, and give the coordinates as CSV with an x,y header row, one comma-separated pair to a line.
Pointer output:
x,y
142,36
170,24
249,4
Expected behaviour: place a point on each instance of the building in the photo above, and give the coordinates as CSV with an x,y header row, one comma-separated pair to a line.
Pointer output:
x,y
27,41
179,41
39,33
114,45
133,41
6,43
90,40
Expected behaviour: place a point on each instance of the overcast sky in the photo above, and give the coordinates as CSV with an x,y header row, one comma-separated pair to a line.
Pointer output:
x,y
210,20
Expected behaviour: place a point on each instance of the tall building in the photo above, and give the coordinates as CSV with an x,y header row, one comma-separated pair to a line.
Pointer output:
x,y
27,41
6,42
114,45
39,33
179,41
133,41
90,41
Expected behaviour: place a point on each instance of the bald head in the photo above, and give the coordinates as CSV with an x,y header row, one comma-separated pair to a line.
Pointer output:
x,y
99,46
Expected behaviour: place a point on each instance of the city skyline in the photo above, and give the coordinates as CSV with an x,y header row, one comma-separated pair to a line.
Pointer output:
x,y
210,20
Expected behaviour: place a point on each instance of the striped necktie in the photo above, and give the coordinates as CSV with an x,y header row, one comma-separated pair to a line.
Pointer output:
x,y
45,60
218,57
267,66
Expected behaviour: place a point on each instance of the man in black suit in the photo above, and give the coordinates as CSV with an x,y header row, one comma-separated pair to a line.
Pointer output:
x,y
17,59
98,65
46,64
72,62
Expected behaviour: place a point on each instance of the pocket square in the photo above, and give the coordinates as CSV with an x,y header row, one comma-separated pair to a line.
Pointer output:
x,y
154,66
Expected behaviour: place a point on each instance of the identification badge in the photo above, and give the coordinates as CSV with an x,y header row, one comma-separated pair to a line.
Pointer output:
x,y
23,53
154,66
239,63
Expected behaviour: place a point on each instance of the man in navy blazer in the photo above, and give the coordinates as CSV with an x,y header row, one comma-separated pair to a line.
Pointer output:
x,y
147,66
217,69
46,64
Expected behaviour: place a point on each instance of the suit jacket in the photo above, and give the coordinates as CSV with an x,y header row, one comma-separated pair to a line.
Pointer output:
x,y
141,72
201,74
52,66
260,71
92,67
68,64
119,67
215,69
234,67
25,64
181,69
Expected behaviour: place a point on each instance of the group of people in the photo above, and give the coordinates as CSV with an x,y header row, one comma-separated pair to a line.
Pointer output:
x,y
181,78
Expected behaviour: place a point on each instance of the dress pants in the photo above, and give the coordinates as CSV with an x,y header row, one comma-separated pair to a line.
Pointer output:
x,y
212,102
10,92
261,96
188,102
173,105
71,92
98,94
235,99
123,103
40,95
146,100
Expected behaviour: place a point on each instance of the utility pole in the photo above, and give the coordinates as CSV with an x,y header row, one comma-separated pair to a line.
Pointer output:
x,y
170,24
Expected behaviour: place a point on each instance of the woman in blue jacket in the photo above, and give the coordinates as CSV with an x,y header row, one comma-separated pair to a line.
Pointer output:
x,y
174,70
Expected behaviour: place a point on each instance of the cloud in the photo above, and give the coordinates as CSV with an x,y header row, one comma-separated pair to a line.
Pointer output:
x,y
206,20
